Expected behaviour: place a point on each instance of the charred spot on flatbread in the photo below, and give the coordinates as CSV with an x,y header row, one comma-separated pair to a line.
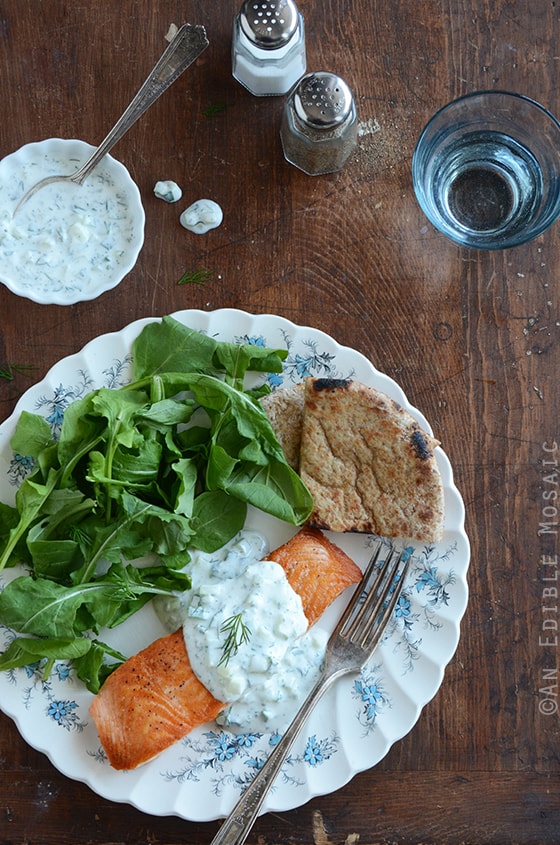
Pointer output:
x,y
330,384
421,445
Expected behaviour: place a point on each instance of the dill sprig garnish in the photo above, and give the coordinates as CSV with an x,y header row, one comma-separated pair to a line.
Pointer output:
x,y
214,108
10,371
195,277
237,634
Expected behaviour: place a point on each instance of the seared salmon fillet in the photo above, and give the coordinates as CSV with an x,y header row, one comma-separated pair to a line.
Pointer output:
x,y
316,569
154,698
150,702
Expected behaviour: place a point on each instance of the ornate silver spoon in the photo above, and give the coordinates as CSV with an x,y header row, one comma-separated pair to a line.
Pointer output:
x,y
186,46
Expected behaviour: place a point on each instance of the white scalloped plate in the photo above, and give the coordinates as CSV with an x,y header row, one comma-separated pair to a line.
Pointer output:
x,y
359,719
109,217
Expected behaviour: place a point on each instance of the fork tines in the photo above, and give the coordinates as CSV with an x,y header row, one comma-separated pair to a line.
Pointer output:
x,y
372,604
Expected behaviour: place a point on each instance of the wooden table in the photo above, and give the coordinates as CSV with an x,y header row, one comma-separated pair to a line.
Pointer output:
x,y
473,338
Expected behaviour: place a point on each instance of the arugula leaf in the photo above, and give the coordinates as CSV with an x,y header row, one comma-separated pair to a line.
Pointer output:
x,y
169,532
32,435
81,432
170,347
216,516
46,609
9,519
24,651
167,412
274,489
43,608
30,498
120,538
237,358
87,656
54,559
187,475
91,667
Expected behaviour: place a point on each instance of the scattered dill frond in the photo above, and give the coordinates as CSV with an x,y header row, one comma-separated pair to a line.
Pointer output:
x,y
237,634
10,371
214,108
80,536
195,277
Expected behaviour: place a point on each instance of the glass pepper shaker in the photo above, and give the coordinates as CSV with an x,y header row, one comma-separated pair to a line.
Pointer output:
x,y
268,49
319,126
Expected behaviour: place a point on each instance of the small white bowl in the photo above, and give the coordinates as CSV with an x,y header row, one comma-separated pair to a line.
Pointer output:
x,y
69,243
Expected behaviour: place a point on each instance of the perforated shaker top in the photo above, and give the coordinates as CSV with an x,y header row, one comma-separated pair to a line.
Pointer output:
x,y
322,100
269,24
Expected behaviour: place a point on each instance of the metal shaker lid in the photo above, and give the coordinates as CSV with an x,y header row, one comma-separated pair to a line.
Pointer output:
x,y
269,24
322,100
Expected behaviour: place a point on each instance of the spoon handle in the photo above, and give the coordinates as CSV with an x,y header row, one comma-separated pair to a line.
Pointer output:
x,y
186,46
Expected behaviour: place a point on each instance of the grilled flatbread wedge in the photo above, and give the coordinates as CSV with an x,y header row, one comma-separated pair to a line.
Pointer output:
x,y
368,464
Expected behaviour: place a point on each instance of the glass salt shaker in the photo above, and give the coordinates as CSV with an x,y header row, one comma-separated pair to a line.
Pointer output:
x,y
268,50
319,124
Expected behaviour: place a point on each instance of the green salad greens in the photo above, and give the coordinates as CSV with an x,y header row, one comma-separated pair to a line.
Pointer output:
x,y
138,476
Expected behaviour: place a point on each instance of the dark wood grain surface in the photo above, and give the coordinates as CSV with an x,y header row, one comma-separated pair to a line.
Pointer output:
x,y
473,338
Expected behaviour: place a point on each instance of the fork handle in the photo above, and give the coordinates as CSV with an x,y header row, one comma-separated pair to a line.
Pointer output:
x,y
187,44
235,829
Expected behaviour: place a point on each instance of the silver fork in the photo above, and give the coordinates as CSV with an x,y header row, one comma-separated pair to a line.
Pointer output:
x,y
350,646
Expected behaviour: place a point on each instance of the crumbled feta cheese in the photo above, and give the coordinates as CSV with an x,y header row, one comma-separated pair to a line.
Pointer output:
x,y
168,191
202,216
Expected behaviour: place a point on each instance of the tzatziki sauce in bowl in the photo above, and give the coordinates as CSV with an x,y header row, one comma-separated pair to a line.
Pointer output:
x,y
68,243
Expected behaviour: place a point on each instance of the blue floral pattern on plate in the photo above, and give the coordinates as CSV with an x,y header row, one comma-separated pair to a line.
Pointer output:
x,y
425,621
